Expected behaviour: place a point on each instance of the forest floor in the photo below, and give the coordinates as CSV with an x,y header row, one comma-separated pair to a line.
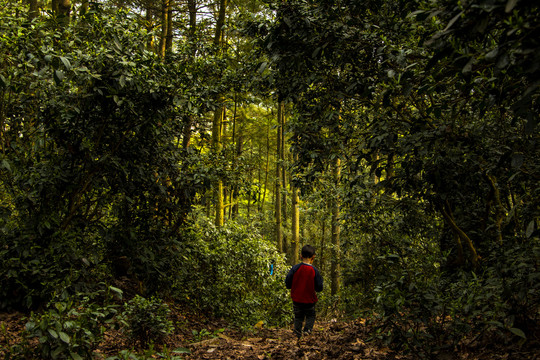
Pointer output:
x,y
213,339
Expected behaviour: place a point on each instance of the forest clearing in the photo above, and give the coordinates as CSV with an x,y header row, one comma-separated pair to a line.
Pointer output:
x,y
204,179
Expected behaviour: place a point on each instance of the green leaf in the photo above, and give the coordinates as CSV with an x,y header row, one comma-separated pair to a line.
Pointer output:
x,y
58,76
3,82
66,62
262,67
510,5
53,333
64,337
116,290
181,350
518,332
530,229
75,356
452,21
5,165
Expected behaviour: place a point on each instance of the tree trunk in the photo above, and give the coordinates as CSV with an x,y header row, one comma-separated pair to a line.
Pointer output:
x,y
322,245
148,24
237,143
169,36
336,249
188,119
218,118
62,10
295,224
266,170
164,24
279,230
33,9
84,7
216,147
219,34
250,195
460,235
286,242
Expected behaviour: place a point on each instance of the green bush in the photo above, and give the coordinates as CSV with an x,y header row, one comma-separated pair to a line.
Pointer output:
x,y
71,327
227,271
423,315
147,320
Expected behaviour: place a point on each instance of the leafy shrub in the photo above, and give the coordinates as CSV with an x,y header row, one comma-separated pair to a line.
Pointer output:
x,y
146,320
423,315
227,272
71,327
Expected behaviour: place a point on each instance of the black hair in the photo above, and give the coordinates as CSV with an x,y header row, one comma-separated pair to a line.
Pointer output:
x,y
308,251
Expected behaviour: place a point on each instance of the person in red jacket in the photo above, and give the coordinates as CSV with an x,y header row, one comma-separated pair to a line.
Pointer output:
x,y
305,281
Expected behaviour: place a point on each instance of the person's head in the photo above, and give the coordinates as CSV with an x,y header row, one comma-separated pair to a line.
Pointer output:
x,y
308,252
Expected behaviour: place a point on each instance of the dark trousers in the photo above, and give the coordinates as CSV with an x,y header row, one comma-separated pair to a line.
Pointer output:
x,y
303,312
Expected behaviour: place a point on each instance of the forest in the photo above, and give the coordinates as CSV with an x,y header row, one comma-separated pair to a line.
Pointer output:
x,y
163,162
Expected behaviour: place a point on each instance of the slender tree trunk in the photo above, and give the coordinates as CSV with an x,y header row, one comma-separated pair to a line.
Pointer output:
x,y
169,37
164,24
267,168
460,235
322,259
286,241
336,249
188,119
295,224
279,229
219,34
33,9
216,145
250,195
192,8
218,117
62,10
84,7
237,143
149,24
259,176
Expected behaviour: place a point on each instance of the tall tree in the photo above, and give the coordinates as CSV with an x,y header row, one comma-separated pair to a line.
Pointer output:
x,y
219,114
164,35
295,223
335,267
279,179
62,9
33,10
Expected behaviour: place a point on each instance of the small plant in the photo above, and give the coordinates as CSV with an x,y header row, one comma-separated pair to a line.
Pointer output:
x,y
71,328
146,320
205,334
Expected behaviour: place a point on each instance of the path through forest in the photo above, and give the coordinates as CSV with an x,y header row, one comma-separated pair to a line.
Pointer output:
x,y
337,340
332,340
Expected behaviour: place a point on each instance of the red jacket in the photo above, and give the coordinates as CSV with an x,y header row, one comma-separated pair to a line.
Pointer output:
x,y
304,280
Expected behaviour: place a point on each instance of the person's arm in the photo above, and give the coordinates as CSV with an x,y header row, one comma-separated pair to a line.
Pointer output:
x,y
318,281
289,277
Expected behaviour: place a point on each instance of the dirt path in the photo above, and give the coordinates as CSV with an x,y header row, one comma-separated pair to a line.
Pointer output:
x,y
334,340
328,341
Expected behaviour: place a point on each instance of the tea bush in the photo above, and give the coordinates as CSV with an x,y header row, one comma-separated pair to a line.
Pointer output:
x,y
71,327
229,274
147,320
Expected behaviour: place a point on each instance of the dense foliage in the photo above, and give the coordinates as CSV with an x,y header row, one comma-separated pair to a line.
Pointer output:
x,y
430,109
412,132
